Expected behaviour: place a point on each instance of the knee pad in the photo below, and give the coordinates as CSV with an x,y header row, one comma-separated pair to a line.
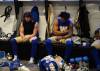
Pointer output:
x,y
69,43
13,40
34,41
48,41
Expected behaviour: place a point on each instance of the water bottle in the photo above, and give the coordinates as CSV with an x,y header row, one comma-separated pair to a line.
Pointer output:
x,y
72,60
78,59
85,59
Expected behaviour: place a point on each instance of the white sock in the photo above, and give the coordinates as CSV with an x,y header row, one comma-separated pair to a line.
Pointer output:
x,y
15,57
31,60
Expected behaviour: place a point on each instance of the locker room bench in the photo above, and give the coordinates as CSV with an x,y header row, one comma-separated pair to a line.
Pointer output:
x,y
24,50
58,48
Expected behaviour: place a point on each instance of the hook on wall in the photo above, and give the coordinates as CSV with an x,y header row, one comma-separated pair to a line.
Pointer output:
x,y
99,7
65,8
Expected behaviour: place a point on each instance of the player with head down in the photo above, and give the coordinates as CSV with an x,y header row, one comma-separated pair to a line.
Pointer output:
x,y
28,31
62,32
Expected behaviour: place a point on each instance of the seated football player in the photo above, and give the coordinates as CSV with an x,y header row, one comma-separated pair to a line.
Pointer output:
x,y
96,47
62,32
28,31
96,42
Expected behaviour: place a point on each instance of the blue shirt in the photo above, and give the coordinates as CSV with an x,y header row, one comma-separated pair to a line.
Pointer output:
x,y
63,24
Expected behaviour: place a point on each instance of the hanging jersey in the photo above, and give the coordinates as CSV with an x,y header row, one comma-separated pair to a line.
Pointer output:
x,y
35,13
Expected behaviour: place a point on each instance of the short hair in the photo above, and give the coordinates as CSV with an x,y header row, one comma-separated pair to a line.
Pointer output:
x,y
97,31
65,15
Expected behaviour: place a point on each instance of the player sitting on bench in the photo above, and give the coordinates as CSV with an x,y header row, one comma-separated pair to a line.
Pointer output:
x,y
28,31
96,46
62,32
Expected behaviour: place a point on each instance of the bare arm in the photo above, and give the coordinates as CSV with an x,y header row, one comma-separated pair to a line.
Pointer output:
x,y
56,32
35,30
70,32
21,30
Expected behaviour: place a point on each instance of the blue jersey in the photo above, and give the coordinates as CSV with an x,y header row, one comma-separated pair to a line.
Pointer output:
x,y
47,63
63,25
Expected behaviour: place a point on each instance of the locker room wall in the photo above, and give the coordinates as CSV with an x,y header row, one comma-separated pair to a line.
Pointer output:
x,y
10,24
27,6
72,8
94,16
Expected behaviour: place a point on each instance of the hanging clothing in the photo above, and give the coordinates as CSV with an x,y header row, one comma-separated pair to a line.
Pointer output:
x,y
7,12
83,20
35,14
